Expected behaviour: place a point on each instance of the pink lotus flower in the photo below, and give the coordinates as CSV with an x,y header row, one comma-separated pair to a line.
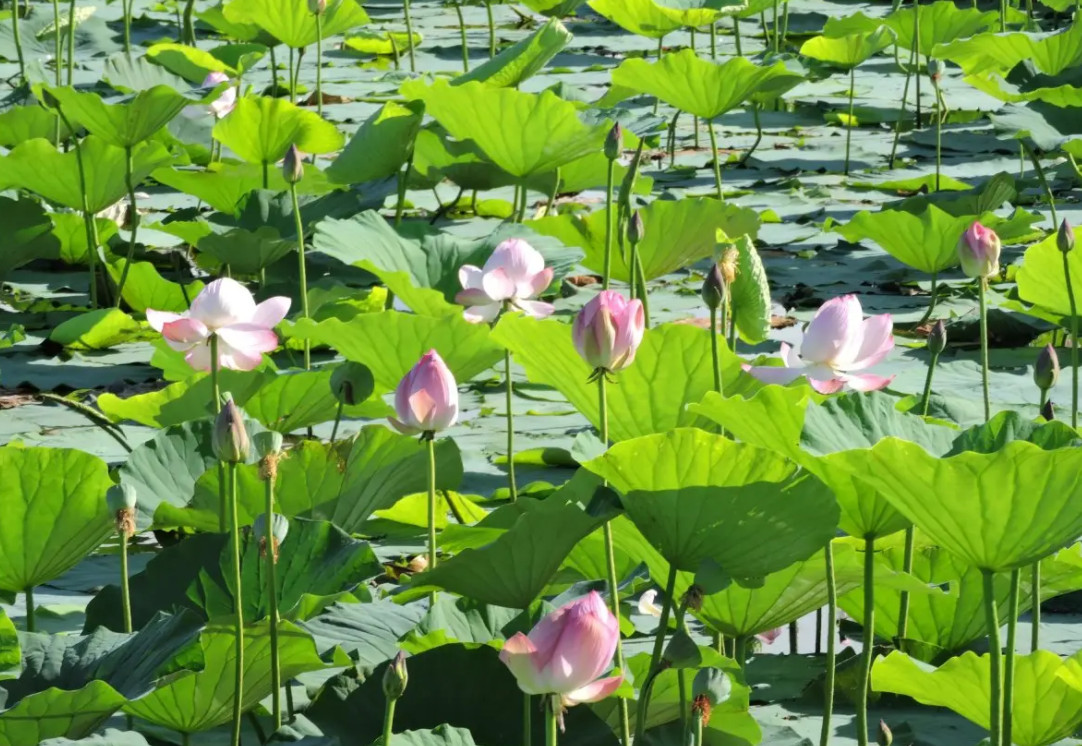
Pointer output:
x,y
566,652
227,310
608,331
426,400
978,251
837,342
770,635
514,273
225,102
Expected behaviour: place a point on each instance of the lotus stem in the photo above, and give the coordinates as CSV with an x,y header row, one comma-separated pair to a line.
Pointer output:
x,y
672,139
698,723
527,716
71,44
655,658
18,40
606,274
216,404
916,58
982,291
238,605
550,208
868,650
758,132
785,22
133,217
713,40
640,278
289,77
818,631
925,399
660,52
1035,591
431,502
938,136
717,164
95,417
901,111
395,57
337,420
714,351
552,703
403,184
832,638
736,37
409,36
127,27
1002,30
732,329
995,702
31,622
849,122
932,300
776,39
510,427
274,73
388,721
682,690
695,119
125,593
792,638
272,597
266,175
522,208
1008,668
88,216
295,86
740,650
58,59
189,26
462,36
910,535
302,271
319,64
491,30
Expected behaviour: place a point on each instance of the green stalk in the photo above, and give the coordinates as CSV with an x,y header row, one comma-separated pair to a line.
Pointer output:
x,y
849,123
18,40
127,27
926,398
694,119
71,42
388,720
125,593
403,184
916,58
510,427
550,720
636,262
714,40
289,79
984,347
297,72
431,500
274,74
995,702
901,111
134,218
272,595
698,729
462,36
88,217
319,64
736,37
938,137
1074,342
1002,30
189,26
717,165
550,209
216,403
832,638
907,556
660,52
31,624
606,273
740,651
302,271
491,30
868,650
1035,630
758,132
409,37
776,29
337,419
58,59
238,606
527,716
682,689
655,658
1008,669
932,300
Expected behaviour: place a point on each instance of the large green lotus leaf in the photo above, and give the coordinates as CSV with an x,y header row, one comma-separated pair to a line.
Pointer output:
x,y
292,23
380,41
302,398
749,293
700,497
260,129
677,234
1041,279
1047,706
28,234
941,22
699,86
194,64
127,123
10,654
554,8
450,619
95,330
1006,509
641,17
390,343
200,700
132,74
522,60
380,145
108,737
53,503
224,184
847,52
38,166
59,713
367,632
991,52
678,354
317,558
146,288
927,240
522,133
215,17
22,123
1008,426
695,13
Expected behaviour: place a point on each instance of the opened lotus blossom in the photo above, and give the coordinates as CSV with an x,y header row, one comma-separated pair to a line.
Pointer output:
x,y
838,342
224,309
566,652
514,273
426,400
220,106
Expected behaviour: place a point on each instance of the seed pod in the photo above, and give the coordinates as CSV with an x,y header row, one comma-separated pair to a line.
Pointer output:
x,y
279,531
121,499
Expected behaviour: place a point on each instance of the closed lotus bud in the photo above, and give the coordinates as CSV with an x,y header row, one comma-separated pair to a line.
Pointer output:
x,y
279,531
884,737
935,70
1046,371
293,165
636,231
937,338
1065,237
121,499
395,677
608,331
317,7
614,142
230,438
978,252
426,400
1048,411
713,290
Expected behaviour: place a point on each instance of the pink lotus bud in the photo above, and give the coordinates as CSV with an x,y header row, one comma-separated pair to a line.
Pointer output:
x,y
293,165
978,251
426,400
608,331
566,652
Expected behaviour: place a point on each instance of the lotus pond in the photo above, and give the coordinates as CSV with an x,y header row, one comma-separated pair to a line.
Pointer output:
x,y
447,373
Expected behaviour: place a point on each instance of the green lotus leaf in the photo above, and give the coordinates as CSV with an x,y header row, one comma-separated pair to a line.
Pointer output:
x,y
134,74
678,233
522,133
223,185
380,145
695,13
300,399
553,8
449,619
521,60
199,700
1008,426
1008,508
260,130
146,288
367,632
59,713
927,241
215,17
678,354
1000,53
95,330
699,86
194,64
381,41
123,124
1047,705
28,122
10,654
182,401
1041,280
292,23
700,497
846,52
28,231
38,166
941,22
53,503
640,17
749,293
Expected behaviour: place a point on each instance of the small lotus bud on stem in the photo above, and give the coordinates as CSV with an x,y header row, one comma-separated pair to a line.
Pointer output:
x,y
614,142
636,231
1046,371
937,337
714,288
884,737
395,677
293,165
121,499
230,438
1065,237
317,7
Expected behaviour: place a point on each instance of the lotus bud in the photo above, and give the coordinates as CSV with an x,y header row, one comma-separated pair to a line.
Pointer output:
x,y
230,438
293,165
1046,371
608,331
937,338
713,290
317,7
935,71
351,383
121,499
395,677
884,737
1065,237
426,400
636,231
268,446
1048,411
710,688
693,597
978,251
614,142
279,531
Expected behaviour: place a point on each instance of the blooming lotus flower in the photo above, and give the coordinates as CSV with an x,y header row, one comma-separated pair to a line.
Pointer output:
x,y
224,309
978,251
513,274
608,331
566,652
426,400
220,106
648,603
837,342
770,635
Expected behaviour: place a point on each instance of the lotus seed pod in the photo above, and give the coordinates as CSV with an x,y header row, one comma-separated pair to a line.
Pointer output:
x,y
1046,371
293,165
636,231
1065,237
230,438
395,677
935,70
937,338
693,597
713,289
120,496
713,684
267,443
352,383
279,531
614,142
884,737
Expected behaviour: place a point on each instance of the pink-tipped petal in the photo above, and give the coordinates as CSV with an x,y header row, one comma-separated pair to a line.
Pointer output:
x,y
158,319
270,312
835,331
867,381
518,655
198,357
184,332
517,259
537,309
214,78
877,343
593,692
498,285
470,277
585,647
538,284
248,338
472,297
233,359
831,386
402,427
223,302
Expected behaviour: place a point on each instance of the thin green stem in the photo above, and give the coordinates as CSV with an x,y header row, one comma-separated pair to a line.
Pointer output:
x,y
238,606
296,85
1008,668
1039,168
388,720
740,650
71,43
995,702
938,139
431,501
1035,614
125,594
655,658
901,111
713,40
31,623
510,427
403,184
933,299
907,561
302,270
18,41
640,278
849,122
682,689
95,417
319,64
216,404
1002,30
983,289
926,399
610,216
792,638
832,639
550,208
758,131
660,53
462,36
1074,341
716,163
127,8
732,329
409,36
698,729
272,596
189,25
337,419
916,60
491,29
776,28
868,650
736,37
289,78
527,717
714,351
551,728
58,60
274,74
133,218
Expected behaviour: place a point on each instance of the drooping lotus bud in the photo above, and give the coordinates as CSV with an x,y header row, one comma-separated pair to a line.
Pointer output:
x,y
935,71
1046,371
230,438
636,231
937,338
279,531
978,251
693,597
614,142
317,7
1048,411
293,165
884,737
713,290
121,499
268,447
710,688
395,677
352,383
1065,237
